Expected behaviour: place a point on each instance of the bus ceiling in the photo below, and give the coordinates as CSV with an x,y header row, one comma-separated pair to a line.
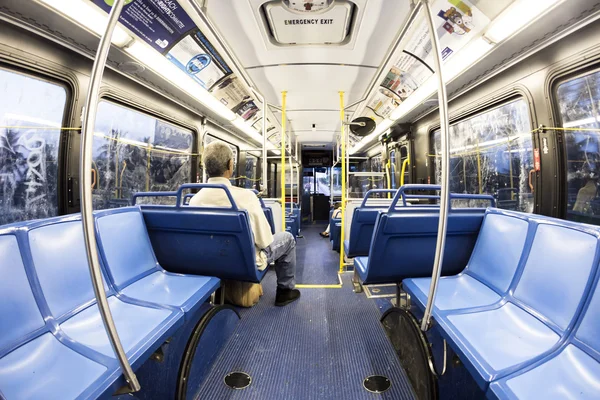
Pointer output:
x,y
230,60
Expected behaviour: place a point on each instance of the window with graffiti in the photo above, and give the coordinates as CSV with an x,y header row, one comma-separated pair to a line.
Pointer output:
x,y
135,152
491,153
31,116
579,102
250,171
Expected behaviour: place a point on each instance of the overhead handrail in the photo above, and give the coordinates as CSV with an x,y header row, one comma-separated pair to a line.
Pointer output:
x,y
445,166
375,191
87,206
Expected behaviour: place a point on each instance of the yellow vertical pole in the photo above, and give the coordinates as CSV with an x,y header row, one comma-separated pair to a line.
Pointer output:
x,y
283,96
343,157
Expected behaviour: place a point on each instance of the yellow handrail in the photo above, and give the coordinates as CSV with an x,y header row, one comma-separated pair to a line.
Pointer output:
x,y
404,164
283,96
343,157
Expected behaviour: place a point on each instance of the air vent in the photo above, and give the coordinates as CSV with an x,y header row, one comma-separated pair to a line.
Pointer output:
x,y
315,146
316,22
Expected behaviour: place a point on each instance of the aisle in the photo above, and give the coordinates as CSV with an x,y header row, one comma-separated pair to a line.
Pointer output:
x,y
316,262
320,347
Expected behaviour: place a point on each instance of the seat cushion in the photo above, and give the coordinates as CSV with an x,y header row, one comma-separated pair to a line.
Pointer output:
x,y
360,265
183,291
498,339
572,374
138,327
453,292
45,368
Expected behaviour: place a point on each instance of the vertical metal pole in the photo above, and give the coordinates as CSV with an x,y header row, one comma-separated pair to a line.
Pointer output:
x,y
343,157
291,181
201,147
445,165
282,185
264,178
87,216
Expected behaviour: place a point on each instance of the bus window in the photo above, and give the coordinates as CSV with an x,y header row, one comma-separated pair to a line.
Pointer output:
x,y
250,172
135,152
31,112
392,169
578,101
492,153
377,182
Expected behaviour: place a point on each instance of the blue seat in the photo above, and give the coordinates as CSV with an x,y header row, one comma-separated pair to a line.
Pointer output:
x,y
209,241
363,223
132,266
267,210
59,264
572,372
538,308
34,363
293,218
486,278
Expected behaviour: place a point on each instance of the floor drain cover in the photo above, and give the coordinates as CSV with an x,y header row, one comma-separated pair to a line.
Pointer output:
x,y
238,380
377,384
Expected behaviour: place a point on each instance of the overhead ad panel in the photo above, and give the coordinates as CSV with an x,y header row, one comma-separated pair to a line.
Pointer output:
x,y
457,23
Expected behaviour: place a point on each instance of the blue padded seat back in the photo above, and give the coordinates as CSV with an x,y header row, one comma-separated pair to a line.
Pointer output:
x,y
60,261
125,245
557,272
498,250
269,216
205,241
588,331
361,230
19,313
403,244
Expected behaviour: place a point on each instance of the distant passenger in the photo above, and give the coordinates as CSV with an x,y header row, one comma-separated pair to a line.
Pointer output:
x,y
337,207
279,248
583,202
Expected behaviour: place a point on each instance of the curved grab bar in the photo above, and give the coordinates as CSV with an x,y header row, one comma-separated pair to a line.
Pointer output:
x,y
262,203
203,186
187,196
453,196
151,194
364,202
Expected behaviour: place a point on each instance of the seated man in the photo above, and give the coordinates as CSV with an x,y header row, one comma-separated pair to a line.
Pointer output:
x,y
279,248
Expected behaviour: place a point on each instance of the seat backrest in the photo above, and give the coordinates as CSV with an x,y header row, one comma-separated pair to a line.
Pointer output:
x,y
403,243
19,313
60,262
269,216
361,230
558,270
499,249
204,241
124,244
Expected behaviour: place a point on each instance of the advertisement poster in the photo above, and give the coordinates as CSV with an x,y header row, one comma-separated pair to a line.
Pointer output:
x,y
232,93
158,22
192,55
457,22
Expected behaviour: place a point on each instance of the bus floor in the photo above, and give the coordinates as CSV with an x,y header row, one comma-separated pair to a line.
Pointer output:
x,y
320,347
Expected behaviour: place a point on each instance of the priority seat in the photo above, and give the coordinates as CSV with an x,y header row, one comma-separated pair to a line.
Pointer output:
x,y
132,267
209,241
34,363
363,223
490,270
572,372
404,239
59,264
538,309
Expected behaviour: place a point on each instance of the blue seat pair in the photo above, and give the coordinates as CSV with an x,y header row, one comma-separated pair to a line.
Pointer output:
x,y
524,313
293,218
363,223
404,239
53,342
209,241
335,228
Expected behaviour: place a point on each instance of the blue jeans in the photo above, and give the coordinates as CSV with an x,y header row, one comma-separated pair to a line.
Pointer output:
x,y
283,252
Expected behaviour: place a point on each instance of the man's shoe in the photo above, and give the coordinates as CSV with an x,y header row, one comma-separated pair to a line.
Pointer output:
x,y
286,296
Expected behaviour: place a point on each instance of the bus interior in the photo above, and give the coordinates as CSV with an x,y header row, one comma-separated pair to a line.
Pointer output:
x,y
437,163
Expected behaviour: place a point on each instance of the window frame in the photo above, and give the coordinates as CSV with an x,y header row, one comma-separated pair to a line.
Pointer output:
x,y
64,194
571,72
485,107
134,106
